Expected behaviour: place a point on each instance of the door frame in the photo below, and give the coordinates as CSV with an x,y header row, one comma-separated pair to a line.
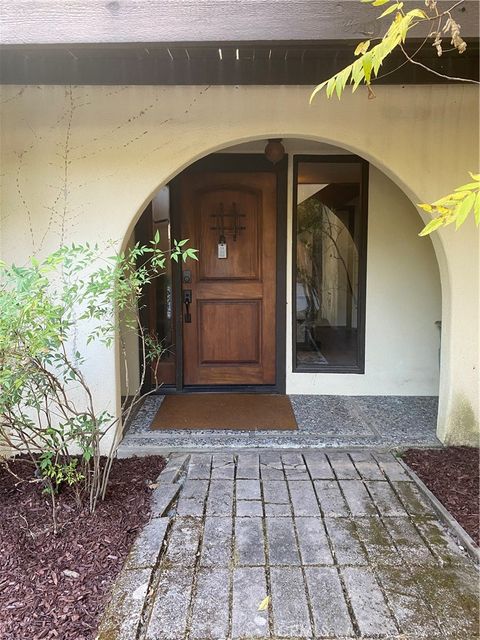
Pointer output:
x,y
231,163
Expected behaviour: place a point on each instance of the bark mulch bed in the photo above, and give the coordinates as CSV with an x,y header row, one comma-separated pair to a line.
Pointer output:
x,y
56,586
452,475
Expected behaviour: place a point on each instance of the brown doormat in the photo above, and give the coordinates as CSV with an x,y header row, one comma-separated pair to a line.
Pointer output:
x,y
243,411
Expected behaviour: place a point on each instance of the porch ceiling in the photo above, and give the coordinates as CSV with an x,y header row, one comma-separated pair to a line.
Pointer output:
x,y
207,42
27,22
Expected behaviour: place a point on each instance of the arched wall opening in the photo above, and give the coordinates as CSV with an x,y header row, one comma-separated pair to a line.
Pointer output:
x,y
403,286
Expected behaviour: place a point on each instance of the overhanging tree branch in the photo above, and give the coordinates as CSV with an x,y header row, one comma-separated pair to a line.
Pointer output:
x,y
454,207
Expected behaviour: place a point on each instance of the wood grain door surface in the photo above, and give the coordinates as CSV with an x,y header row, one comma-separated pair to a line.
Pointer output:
x,y
231,336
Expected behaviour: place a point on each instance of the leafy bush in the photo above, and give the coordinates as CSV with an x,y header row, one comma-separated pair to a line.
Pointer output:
x,y
47,406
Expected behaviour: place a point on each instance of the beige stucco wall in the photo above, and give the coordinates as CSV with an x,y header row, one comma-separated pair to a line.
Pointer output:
x,y
80,163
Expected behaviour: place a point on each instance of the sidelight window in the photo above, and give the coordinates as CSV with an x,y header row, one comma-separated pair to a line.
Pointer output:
x,y
330,220
157,306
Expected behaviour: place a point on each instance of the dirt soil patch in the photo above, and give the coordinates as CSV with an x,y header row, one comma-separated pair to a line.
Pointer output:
x,y
452,475
56,586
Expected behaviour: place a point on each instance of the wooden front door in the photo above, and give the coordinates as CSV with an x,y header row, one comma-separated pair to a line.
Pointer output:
x,y
229,325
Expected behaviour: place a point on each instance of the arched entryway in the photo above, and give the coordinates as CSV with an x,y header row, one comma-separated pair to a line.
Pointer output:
x,y
369,323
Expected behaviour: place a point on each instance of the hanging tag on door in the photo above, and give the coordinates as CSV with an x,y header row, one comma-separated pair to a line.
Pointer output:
x,y
222,250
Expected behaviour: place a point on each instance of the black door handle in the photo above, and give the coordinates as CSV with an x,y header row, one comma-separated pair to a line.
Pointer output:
x,y
187,301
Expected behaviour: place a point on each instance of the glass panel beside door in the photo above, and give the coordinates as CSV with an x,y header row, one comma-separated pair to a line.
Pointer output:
x,y
329,263
158,309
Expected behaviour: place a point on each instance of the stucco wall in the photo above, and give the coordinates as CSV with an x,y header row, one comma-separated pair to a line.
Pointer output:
x,y
80,163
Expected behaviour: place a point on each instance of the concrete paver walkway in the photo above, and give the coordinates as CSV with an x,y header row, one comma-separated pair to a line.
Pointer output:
x,y
342,544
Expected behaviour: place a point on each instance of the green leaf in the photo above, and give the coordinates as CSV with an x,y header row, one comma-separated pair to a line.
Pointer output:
x,y
317,90
342,80
331,86
431,226
378,3
403,27
367,67
192,253
357,74
476,209
464,209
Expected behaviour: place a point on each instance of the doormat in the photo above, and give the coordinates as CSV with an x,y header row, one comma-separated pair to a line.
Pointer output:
x,y
242,411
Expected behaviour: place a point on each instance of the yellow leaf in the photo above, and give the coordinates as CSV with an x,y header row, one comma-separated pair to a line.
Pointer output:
x,y
418,13
468,187
391,9
263,606
378,3
426,207
474,176
446,200
362,47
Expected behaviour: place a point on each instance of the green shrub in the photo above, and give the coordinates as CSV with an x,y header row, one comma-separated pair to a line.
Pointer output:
x,y
47,407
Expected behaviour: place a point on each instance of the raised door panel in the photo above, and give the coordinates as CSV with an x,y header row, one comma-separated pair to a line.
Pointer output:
x,y
229,214
229,332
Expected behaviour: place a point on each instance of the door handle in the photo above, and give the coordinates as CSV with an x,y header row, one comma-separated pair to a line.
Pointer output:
x,y
187,301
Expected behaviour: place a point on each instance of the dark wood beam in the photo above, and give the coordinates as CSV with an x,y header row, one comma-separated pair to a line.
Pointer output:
x,y
30,22
242,63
